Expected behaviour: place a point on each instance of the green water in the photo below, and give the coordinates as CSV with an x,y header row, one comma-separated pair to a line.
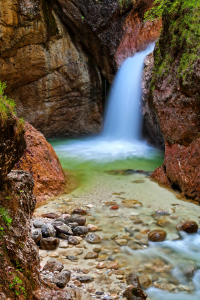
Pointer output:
x,y
87,170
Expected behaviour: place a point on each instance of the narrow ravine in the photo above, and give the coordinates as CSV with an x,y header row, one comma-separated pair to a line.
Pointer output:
x,y
133,223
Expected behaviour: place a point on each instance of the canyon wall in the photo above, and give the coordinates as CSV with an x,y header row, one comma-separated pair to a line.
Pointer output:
x,y
175,97
55,56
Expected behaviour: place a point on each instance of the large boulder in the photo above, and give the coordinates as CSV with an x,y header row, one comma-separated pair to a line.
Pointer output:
x,y
41,160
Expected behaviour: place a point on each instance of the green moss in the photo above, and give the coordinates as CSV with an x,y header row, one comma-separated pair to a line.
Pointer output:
x,y
5,216
180,36
7,106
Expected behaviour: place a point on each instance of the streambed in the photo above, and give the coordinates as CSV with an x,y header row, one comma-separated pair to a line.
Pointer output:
x,y
124,231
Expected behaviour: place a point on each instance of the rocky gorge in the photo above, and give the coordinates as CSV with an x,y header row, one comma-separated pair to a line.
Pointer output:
x,y
58,59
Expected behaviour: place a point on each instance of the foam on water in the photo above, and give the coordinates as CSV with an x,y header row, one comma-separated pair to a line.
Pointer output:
x,y
183,252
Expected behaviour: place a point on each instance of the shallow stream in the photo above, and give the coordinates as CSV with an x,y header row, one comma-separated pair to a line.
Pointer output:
x,y
103,183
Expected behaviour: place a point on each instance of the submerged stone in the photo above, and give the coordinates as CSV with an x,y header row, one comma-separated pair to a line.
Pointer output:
x,y
188,226
158,235
93,238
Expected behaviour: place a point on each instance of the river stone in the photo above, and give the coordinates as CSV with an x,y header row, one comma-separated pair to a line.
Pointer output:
x,y
131,203
158,235
72,225
85,279
79,230
72,258
76,251
54,254
145,281
81,220
121,242
65,228
162,212
92,228
188,271
49,243
93,238
188,226
73,241
53,265
63,244
36,235
132,279
38,223
61,279
79,211
91,255
48,230
50,216
132,293
112,265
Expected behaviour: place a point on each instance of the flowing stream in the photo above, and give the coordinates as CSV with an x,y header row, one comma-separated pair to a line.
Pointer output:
x,y
97,163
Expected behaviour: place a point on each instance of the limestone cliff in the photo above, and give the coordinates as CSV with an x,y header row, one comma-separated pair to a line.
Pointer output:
x,y
55,56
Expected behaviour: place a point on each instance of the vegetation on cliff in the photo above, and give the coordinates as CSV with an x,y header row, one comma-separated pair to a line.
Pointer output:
x,y
180,35
7,109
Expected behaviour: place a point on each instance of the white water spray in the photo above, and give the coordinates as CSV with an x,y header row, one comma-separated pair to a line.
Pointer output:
x,y
123,119
182,253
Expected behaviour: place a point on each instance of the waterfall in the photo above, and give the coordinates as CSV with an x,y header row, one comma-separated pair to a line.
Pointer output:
x,y
120,138
123,119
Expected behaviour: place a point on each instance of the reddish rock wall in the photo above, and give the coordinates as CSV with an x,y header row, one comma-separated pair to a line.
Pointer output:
x,y
42,162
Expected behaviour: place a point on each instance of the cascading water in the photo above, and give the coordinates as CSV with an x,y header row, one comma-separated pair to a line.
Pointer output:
x,y
123,120
120,138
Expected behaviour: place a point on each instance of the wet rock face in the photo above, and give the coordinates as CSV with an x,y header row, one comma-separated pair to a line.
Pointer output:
x,y
151,127
177,105
110,31
41,160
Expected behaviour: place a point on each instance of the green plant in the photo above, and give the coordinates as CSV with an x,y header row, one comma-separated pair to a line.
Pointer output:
x,y
7,105
17,286
182,35
5,216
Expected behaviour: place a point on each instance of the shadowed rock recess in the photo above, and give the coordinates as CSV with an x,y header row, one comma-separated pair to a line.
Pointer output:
x,y
55,56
